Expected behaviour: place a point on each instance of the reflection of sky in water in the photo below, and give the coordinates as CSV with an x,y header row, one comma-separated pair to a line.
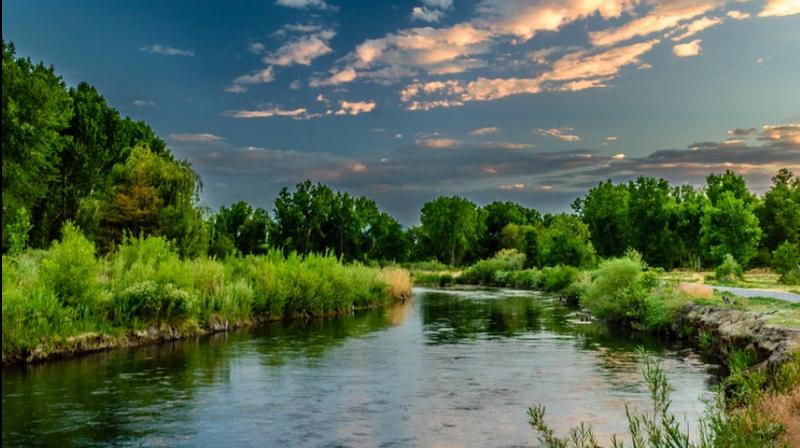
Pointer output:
x,y
446,369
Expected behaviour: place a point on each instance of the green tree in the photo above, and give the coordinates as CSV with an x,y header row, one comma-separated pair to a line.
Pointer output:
x,y
451,227
300,217
239,228
691,204
779,212
730,227
498,215
652,208
605,211
729,181
36,108
786,262
565,240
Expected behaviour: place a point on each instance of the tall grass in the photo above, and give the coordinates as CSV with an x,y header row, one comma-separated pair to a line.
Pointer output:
x,y
758,415
50,296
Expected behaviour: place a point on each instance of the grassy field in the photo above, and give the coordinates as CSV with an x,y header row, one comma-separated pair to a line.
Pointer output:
x,y
754,278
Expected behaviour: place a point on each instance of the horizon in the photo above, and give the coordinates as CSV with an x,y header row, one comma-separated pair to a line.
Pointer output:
x,y
403,103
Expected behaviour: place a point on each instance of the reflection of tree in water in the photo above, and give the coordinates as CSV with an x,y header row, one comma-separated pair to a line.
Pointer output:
x,y
447,318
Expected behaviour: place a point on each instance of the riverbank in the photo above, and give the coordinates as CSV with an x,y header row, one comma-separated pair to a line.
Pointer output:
x,y
66,301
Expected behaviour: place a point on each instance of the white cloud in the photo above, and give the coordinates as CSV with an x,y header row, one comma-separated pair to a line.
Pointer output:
x,y
166,50
738,15
688,49
300,4
355,108
618,156
195,138
780,8
427,15
143,103
663,16
563,134
347,74
697,26
515,186
263,76
302,51
299,113
485,131
441,4
255,47
438,143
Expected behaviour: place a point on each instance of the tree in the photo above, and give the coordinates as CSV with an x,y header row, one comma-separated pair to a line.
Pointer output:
x,y
718,184
36,108
153,194
779,212
451,227
300,218
605,211
786,262
566,240
498,215
691,204
652,208
729,227
239,228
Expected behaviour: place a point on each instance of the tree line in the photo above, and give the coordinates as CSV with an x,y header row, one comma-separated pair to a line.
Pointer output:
x,y
70,157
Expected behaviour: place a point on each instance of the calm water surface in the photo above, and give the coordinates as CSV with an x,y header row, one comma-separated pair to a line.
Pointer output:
x,y
450,368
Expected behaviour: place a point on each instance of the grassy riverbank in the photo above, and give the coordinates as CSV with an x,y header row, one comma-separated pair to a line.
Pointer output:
x,y
66,299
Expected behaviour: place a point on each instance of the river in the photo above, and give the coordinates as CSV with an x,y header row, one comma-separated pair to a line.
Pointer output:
x,y
449,368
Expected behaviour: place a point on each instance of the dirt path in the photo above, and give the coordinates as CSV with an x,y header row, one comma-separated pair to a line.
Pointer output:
x,y
752,292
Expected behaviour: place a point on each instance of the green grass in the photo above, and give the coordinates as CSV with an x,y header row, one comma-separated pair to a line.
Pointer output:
x,y
51,296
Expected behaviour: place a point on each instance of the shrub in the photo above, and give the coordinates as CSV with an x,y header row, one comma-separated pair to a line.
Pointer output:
x,y
729,270
786,262
619,290
558,278
70,269
525,279
148,300
446,280
483,272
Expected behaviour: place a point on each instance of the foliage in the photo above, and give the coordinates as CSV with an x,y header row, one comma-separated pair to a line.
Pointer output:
x,y
605,210
721,426
484,272
450,228
70,269
786,262
729,270
18,231
779,213
565,240
239,228
506,224
730,227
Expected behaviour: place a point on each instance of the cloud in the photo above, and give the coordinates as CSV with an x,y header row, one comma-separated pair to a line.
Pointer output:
x,y
563,134
355,108
347,74
195,138
578,70
511,146
143,103
780,136
263,76
618,156
697,26
688,49
166,50
438,143
780,8
302,4
303,50
485,131
255,47
738,15
299,113
517,186
427,15
741,132
663,16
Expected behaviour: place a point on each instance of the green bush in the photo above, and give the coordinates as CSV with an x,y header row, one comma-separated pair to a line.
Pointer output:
x,y
729,270
148,300
525,279
558,278
70,269
446,280
483,272
620,290
786,262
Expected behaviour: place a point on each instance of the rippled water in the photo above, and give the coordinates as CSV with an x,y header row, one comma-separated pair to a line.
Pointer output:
x,y
450,368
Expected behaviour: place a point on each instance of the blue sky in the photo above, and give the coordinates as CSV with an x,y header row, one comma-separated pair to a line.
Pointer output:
x,y
525,100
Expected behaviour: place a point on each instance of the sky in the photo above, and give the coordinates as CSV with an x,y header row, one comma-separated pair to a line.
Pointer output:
x,y
532,101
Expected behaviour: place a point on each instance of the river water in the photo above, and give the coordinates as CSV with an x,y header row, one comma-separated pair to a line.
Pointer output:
x,y
450,368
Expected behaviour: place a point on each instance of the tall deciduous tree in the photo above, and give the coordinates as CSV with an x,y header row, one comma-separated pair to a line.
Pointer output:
x,y
451,226
605,211
779,213
730,227
565,240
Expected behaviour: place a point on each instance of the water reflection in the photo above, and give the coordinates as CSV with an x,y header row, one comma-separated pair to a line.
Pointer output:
x,y
450,368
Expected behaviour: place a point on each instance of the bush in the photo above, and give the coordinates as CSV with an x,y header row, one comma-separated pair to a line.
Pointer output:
x,y
70,269
559,278
729,270
446,280
620,289
483,272
525,279
786,262
148,300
